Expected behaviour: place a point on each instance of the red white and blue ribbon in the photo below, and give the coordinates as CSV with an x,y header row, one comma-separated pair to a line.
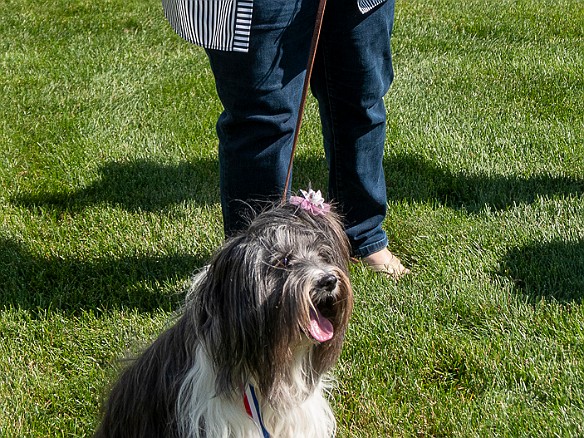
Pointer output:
x,y
252,408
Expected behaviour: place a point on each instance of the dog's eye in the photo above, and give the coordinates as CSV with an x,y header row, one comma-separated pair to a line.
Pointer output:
x,y
283,262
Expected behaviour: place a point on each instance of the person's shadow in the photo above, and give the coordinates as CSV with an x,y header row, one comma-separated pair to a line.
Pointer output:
x,y
144,185
414,178
140,185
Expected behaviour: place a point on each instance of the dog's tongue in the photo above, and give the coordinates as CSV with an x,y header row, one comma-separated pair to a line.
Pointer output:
x,y
320,328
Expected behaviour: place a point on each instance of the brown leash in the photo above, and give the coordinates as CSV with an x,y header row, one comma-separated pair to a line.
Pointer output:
x,y
311,57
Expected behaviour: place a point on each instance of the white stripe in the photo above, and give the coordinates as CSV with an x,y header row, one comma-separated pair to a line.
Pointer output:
x,y
367,5
251,401
214,24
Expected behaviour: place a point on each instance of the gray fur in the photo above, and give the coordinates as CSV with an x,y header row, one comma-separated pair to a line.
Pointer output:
x,y
249,311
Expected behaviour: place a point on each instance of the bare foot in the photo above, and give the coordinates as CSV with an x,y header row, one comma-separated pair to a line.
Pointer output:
x,y
386,264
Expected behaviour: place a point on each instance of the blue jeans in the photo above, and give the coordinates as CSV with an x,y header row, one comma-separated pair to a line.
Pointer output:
x,y
260,92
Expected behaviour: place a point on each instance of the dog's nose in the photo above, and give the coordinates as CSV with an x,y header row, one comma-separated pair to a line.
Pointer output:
x,y
327,282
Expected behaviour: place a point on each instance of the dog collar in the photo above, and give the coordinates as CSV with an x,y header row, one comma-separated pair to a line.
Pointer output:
x,y
252,407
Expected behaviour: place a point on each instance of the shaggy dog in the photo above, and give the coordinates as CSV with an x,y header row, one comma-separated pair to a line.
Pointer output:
x,y
261,326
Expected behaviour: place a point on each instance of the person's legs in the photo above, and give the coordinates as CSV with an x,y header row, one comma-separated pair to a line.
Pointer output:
x,y
352,74
260,92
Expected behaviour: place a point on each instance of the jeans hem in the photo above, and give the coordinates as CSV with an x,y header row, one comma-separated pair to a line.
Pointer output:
x,y
371,248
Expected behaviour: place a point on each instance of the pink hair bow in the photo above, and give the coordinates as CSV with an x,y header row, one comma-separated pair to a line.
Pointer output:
x,y
311,201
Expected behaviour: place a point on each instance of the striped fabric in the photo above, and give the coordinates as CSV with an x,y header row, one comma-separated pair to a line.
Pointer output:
x,y
213,24
367,5
220,24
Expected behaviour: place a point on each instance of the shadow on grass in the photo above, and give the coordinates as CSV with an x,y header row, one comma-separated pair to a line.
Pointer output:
x,y
553,270
140,185
145,185
32,282
414,178
310,171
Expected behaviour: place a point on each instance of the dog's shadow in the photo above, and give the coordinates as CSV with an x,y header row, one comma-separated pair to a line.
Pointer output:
x,y
31,281
140,185
552,270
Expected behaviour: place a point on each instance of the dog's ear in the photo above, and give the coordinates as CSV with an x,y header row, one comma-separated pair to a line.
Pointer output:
x,y
230,314
333,223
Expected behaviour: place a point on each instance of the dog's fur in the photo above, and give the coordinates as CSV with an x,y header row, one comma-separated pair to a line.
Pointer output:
x,y
246,321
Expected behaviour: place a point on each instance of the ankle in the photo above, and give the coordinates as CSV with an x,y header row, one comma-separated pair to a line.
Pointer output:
x,y
381,257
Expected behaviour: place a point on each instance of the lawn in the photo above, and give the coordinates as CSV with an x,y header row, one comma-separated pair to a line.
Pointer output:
x,y
109,203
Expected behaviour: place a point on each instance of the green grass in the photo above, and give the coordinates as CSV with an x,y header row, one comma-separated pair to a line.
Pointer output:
x,y
109,201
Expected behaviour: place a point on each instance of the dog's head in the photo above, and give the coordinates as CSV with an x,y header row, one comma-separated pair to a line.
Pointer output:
x,y
277,298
